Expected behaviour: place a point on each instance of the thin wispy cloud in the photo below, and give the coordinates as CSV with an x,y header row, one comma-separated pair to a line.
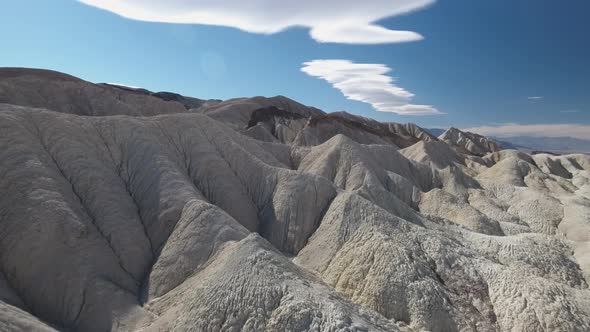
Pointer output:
x,y
535,130
367,83
334,21
535,98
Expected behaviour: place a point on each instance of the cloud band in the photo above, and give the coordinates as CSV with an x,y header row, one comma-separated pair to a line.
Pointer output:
x,y
367,83
334,21
536,130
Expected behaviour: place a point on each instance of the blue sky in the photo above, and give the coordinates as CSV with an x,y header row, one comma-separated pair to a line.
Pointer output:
x,y
479,62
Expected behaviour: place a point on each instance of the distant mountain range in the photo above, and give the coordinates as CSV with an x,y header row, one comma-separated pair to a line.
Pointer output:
x,y
531,143
552,144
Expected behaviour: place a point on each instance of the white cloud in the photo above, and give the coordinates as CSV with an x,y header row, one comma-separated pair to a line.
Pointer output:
x,y
336,21
367,83
535,98
535,130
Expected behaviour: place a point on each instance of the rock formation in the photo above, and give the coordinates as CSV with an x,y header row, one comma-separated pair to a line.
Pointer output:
x,y
126,211
469,143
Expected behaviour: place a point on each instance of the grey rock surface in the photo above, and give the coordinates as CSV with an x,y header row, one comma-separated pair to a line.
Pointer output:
x,y
321,128
243,216
470,143
67,94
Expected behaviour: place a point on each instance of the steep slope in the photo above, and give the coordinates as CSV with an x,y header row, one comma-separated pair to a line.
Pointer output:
x,y
363,130
281,120
188,102
181,222
405,130
378,172
411,130
471,143
436,153
238,112
67,94
140,171
277,119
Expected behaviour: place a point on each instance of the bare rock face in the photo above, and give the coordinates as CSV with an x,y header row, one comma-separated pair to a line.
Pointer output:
x,y
189,103
469,142
411,130
67,94
281,120
436,153
406,131
321,128
262,214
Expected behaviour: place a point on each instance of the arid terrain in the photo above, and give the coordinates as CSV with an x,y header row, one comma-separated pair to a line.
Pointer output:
x,y
123,209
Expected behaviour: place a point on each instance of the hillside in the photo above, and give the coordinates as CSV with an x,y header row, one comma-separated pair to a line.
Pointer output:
x,y
124,211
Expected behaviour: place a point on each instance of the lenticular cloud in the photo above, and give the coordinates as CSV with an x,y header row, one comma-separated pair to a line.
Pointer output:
x,y
367,83
334,21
